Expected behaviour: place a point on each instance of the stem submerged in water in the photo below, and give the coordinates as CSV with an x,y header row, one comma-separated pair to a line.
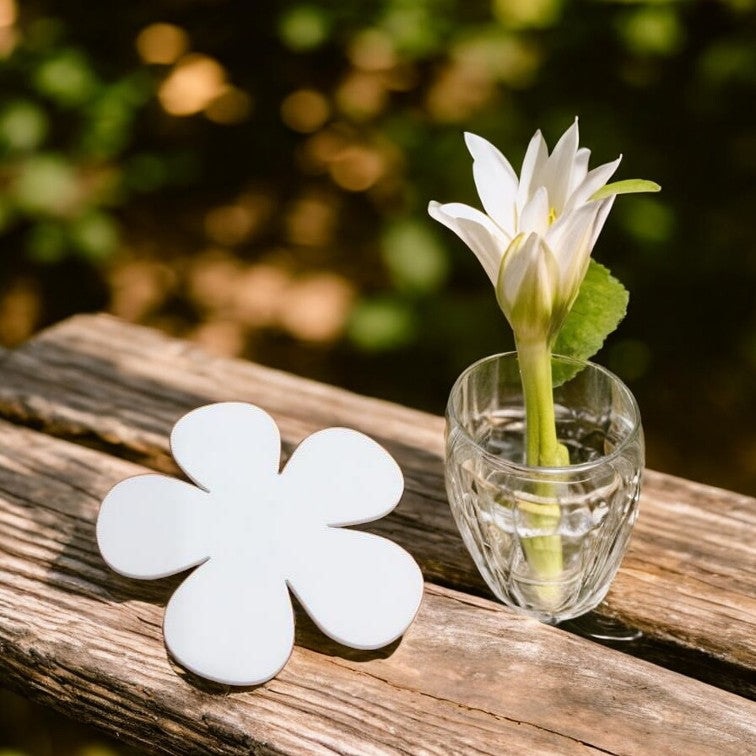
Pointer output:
x,y
544,553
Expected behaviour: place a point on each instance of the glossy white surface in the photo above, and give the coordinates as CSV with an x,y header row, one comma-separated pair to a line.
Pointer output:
x,y
253,531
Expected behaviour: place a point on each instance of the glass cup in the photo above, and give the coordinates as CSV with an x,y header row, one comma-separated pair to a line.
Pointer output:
x,y
547,540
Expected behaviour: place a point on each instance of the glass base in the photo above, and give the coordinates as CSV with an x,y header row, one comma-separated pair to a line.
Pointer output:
x,y
604,629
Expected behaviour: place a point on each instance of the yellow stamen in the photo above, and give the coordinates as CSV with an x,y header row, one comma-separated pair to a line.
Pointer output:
x,y
552,215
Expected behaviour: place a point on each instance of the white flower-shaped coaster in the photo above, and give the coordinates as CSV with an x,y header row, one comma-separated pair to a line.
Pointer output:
x,y
251,532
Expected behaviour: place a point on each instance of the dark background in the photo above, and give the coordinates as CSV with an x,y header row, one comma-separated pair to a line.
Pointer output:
x,y
254,176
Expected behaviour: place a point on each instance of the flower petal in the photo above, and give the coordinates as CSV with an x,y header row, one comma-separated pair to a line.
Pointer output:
x,y
151,526
360,589
571,233
601,216
495,181
557,172
227,446
535,214
231,625
577,228
532,165
477,230
579,168
339,476
527,286
571,240
592,182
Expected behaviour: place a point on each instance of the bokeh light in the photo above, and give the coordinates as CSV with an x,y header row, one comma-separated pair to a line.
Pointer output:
x,y
192,85
357,168
305,110
230,105
372,50
162,43
8,13
316,308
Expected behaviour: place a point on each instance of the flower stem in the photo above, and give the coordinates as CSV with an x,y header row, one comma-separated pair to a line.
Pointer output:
x,y
543,553
535,371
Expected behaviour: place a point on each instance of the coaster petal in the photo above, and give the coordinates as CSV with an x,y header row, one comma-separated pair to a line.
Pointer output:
x,y
151,526
339,476
227,446
230,626
360,589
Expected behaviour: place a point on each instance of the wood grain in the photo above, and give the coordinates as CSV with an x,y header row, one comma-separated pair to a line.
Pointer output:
x,y
468,677
688,580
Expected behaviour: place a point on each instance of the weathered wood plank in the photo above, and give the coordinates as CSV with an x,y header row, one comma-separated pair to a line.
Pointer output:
x,y
468,677
688,581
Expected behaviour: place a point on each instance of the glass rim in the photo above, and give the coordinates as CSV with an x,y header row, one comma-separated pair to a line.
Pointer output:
x,y
519,468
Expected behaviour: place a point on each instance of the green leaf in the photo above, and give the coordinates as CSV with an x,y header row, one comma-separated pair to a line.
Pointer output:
x,y
415,259
95,235
384,324
66,78
47,184
600,306
304,27
628,186
46,242
23,125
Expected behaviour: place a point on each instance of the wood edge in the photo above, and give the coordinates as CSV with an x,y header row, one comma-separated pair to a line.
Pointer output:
x,y
83,320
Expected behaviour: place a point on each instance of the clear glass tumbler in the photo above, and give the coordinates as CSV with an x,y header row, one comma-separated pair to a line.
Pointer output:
x,y
547,540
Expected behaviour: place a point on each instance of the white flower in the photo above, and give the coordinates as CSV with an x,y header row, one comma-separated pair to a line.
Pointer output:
x,y
250,532
528,287
545,223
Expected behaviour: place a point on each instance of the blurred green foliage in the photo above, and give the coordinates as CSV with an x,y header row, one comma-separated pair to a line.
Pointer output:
x,y
66,138
356,109
61,130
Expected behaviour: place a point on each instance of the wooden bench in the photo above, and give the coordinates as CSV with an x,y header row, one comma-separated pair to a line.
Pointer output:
x,y
92,400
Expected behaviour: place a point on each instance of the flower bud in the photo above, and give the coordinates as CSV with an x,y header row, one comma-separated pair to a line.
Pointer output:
x,y
527,288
